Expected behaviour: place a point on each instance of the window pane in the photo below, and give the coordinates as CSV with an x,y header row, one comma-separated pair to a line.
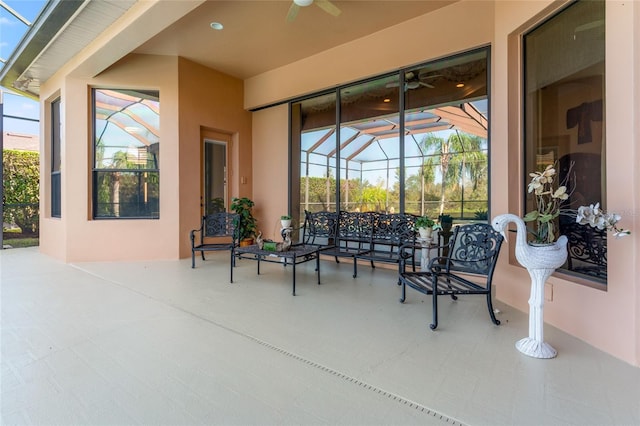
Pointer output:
x,y
370,146
446,146
56,160
565,121
126,194
126,129
314,142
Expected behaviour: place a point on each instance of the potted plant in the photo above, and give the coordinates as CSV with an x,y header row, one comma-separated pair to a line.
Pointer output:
x,y
247,226
446,221
285,221
425,226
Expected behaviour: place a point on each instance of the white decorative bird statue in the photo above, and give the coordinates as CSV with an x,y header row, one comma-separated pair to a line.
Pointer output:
x,y
532,257
540,261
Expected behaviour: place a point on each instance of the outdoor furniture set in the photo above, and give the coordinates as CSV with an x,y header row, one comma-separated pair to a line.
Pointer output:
x,y
464,266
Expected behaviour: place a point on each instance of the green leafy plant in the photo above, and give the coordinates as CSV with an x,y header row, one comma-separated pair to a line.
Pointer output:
x,y
285,217
481,214
425,222
248,224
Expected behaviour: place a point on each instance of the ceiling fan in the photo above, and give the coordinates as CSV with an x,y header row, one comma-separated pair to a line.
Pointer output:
x,y
325,5
413,81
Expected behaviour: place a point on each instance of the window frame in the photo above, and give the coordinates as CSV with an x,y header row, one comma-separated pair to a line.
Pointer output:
x,y
95,171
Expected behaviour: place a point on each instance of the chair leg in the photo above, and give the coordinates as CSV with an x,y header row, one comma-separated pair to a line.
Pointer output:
x,y
202,253
232,262
491,313
355,267
403,296
193,259
434,324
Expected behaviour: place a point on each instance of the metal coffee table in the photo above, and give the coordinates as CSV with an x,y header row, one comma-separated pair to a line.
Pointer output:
x,y
296,254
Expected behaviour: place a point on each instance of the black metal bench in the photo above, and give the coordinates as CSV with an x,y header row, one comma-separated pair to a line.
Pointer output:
x,y
468,268
388,233
218,231
359,235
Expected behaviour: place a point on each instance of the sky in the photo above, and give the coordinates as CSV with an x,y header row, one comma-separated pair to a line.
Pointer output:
x,y
12,30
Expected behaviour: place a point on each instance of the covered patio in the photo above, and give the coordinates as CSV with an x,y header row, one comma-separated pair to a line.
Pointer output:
x,y
161,343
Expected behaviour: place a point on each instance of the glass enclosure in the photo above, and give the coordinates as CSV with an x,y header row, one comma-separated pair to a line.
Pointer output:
x,y
414,141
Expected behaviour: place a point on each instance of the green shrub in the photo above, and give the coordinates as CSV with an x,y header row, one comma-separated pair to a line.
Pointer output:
x,y
21,185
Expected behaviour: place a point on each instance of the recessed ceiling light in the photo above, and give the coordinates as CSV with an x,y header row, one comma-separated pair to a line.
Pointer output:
x,y
386,100
460,85
216,26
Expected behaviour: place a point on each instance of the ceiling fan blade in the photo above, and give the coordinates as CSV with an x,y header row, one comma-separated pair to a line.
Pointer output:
x,y
328,7
293,12
430,86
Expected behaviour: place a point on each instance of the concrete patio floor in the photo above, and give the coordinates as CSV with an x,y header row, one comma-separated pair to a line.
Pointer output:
x,y
160,343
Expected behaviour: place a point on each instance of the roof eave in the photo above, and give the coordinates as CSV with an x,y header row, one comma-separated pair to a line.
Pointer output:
x,y
52,19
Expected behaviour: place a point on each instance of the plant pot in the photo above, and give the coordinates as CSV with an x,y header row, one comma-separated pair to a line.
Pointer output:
x,y
425,232
246,242
285,223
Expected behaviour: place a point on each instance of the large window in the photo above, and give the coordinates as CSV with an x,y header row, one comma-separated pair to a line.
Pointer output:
x,y
564,62
126,154
414,141
56,159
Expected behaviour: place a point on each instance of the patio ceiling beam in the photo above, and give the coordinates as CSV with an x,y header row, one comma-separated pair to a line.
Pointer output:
x,y
362,148
132,99
344,144
143,140
459,119
373,130
421,121
322,140
131,115
473,112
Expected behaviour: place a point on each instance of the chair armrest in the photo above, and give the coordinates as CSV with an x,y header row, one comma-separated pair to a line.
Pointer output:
x,y
192,235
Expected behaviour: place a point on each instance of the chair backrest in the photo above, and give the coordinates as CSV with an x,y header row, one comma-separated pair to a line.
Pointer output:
x,y
221,224
394,229
356,226
474,249
587,249
319,227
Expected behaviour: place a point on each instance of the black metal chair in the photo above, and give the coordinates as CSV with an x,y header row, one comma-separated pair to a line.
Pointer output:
x,y
587,250
473,254
218,231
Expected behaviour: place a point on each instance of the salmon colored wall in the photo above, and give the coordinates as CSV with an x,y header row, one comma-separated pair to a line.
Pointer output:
x,y
209,100
87,239
52,239
605,319
270,162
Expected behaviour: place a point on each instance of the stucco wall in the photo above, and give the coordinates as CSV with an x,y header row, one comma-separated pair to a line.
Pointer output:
x,y
270,158
86,239
209,100
605,319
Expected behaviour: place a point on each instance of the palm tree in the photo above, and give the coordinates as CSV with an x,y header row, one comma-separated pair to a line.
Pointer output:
x,y
461,156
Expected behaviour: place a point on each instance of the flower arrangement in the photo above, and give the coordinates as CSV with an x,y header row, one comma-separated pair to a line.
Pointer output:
x,y
595,217
549,203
